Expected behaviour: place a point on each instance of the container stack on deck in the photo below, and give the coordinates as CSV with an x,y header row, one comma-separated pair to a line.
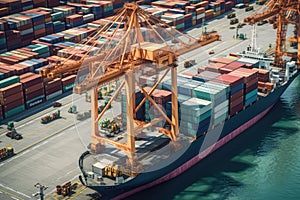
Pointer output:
x,y
236,84
250,84
195,116
140,114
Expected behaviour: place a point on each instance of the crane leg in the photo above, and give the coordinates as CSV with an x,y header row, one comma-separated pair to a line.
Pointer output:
x,y
130,104
96,147
174,125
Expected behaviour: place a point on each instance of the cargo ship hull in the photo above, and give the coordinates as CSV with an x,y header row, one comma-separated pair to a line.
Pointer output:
x,y
199,148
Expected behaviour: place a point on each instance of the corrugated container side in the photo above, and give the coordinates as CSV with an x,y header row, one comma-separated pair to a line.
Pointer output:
x,y
10,90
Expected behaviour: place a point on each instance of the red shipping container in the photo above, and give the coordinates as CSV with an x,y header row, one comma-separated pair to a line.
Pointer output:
x,y
236,109
10,90
13,104
237,102
30,81
26,75
233,81
34,94
236,95
34,88
52,90
52,84
68,80
251,87
11,98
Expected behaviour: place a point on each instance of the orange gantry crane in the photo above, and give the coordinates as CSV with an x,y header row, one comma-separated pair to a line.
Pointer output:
x,y
285,12
134,39
125,53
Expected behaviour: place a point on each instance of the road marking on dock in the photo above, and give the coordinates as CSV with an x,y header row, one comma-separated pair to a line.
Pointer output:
x,y
8,188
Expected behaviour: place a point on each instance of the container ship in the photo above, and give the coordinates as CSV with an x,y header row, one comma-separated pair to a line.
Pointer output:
x,y
224,99
171,121
43,44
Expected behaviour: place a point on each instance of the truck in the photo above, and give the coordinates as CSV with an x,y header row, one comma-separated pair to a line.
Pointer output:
x,y
14,135
248,8
189,63
231,15
6,152
234,21
10,125
72,109
109,127
48,118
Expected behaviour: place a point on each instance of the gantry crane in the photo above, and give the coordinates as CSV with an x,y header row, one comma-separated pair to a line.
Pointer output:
x,y
286,12
133,39
126,52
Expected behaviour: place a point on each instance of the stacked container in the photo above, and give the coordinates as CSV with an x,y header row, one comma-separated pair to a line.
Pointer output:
x,y
236,84
231,67
68,83
250,84
53,88
33,89
161,97
3,47
176,19
52,3
74,20
39,3
10,7
13,39
11,96
205,76
140,114
188,18
195,116
220,105
200,15
181,98
42,50
264,86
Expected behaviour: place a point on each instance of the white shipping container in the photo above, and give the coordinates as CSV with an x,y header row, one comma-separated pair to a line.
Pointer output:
x,y
98,168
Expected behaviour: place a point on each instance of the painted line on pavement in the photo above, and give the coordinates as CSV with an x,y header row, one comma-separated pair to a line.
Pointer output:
x,y
35,145
8,188
45,138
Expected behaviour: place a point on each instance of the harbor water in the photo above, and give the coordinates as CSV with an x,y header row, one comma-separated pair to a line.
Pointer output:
x,y
262,163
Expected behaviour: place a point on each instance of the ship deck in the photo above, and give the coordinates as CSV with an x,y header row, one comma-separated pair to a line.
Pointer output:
x,y
153,151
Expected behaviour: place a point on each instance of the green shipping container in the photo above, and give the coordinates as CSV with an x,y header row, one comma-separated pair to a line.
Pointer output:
x,y
68,87
36,98
206,93
250,94
9,81
14,111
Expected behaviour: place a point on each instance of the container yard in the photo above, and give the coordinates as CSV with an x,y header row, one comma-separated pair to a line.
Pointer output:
x,y
48,50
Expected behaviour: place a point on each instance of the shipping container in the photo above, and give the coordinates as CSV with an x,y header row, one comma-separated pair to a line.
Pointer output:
x,y
10,90
9,81
14,111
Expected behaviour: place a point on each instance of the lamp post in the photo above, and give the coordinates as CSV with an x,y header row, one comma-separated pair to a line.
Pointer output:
x,y
42,189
